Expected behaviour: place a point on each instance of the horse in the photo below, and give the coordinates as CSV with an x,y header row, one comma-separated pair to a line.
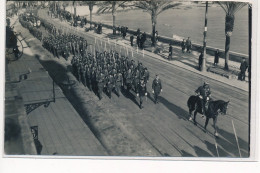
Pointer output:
x,y
214,108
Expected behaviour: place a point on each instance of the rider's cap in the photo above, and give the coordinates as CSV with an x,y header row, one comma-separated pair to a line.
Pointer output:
x,y
206,83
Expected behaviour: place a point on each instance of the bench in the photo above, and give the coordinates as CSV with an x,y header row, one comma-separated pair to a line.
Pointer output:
x,y
232,73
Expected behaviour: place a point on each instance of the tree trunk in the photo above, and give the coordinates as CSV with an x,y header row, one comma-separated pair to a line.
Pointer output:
x,y
90,18
113,13
153,29
153,34
75,10
227,45
114,20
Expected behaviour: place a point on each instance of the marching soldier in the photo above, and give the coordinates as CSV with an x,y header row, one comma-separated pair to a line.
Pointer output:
x,y
157,88
136,81
118,83
100,85
128,79
141,91
110,85
88,75
84,70
146,75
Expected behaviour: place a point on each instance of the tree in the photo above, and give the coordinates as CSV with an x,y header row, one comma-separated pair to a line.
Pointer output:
x,y
90,4
230,9
111,6
154,8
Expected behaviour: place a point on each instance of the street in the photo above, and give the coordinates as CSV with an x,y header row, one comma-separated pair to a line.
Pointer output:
x,y
165,127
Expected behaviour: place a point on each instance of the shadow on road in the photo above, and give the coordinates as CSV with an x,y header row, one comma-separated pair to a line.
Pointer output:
x,y
178,111
230,138
202,153
186,154
129,95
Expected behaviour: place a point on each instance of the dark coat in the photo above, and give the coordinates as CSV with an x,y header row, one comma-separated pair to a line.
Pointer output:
x,y
243,66
141,89
216,57
203,91
157,86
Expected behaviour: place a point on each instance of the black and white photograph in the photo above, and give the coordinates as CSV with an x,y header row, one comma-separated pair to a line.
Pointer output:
x,y
148,79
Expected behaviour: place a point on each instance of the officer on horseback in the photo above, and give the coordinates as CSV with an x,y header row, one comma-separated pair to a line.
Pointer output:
x,y
204,94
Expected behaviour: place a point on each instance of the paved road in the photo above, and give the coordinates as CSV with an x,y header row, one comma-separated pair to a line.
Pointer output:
x,y
166,127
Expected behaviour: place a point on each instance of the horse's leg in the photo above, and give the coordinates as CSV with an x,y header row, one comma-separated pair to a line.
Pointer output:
x,y
206,123
215,126
194,118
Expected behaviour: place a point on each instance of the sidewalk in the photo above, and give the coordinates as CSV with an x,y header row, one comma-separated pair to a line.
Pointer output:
x,y
61,130
183,60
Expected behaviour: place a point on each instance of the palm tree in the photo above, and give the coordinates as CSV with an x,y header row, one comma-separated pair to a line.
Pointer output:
x,y
111,6
154,8
230,9
90,4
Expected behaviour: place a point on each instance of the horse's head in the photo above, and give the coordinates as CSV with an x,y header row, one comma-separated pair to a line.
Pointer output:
x,y
223,108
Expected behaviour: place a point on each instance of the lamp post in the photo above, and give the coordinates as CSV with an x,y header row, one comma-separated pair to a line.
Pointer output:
x,y
203,66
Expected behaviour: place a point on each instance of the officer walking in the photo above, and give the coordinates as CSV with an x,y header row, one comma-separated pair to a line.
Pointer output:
x,y
141,91
157,88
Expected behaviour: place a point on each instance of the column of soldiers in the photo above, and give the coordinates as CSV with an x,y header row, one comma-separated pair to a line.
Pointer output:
x,y
64,45
101,71
108,71
34,31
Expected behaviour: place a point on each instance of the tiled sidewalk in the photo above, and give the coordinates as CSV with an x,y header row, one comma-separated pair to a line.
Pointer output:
x,y
61,131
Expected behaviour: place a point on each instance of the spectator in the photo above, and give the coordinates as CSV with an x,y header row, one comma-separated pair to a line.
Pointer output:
x,y
131,40
188,44
170,52
216,57
183,45
243,68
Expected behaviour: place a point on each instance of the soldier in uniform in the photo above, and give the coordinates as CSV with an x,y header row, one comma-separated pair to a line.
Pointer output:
x,y
157,88
136,81
100,85
128,79
110,85
84,70
141,91
93,80
146,75
118,83
88,76
204,94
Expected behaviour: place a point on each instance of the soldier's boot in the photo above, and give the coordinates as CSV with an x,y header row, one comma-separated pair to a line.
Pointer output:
x,y
155,98
141,105
109,93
